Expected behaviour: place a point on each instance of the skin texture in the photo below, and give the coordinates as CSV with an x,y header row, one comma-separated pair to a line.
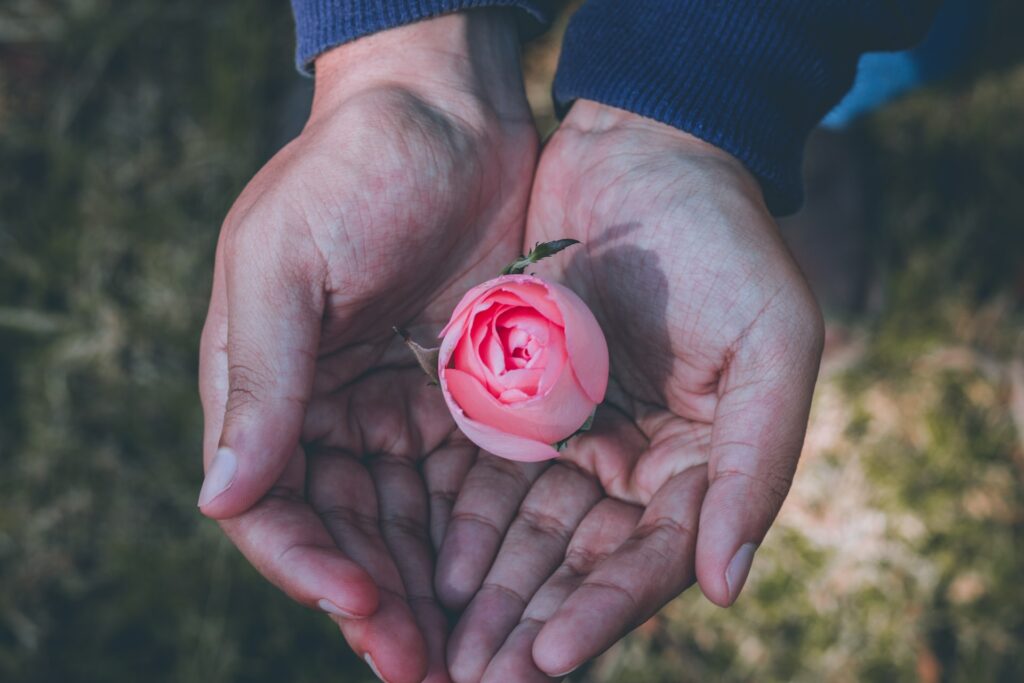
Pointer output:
x,y
340,474
408,185
715,342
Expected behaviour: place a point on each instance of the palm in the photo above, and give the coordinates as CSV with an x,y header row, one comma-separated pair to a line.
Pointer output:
x,y
698,299
661,270
388,237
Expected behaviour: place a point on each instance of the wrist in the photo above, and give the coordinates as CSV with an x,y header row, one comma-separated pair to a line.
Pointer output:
x,y
465,58
589,118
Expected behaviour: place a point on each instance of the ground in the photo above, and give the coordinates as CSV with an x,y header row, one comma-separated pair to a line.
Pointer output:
x,y
126,130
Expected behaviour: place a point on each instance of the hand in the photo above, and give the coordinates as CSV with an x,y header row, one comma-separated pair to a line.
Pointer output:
x,y
326,452
715,341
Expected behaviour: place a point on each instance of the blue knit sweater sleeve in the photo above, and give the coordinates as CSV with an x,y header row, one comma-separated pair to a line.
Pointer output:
x,y
752,77
323,24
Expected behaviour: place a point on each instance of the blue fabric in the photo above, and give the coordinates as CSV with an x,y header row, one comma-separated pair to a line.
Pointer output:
x,y
323,24
752,77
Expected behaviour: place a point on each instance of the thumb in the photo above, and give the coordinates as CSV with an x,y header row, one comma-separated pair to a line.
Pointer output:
x,y
275,301
755,445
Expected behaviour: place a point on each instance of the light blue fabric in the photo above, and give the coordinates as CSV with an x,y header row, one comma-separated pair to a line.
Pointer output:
x,y
884,76
881,77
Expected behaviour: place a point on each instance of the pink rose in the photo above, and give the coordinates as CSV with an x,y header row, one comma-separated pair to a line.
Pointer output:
x,y
523,364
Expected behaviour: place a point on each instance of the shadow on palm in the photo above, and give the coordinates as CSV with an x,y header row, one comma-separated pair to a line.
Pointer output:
x,y
618,490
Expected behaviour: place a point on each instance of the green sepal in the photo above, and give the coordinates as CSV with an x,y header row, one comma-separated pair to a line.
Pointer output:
x,y
561,445
541,250
427,358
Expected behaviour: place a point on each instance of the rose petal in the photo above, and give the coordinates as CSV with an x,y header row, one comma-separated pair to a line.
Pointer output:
x,y
504,445
529,290
491,352
494,441
516,337
523,429
528,321
586,347
467,352
547,419
526,329
526,380
512,396
533,351
554,360
463,307
466,357
534,294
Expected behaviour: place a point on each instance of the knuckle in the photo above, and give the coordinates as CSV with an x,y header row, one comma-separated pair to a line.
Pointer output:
x,y
505,473
247,385
467,516
770,483
664,541
665,530
287,554
405,525
541,524
622,591
444,497
335,516
581,561
506,591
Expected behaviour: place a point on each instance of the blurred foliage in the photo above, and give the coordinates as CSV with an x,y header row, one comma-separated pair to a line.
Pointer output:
x,y
126,129
898,554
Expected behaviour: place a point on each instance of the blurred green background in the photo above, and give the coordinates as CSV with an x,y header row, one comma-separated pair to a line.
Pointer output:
x,y
127,129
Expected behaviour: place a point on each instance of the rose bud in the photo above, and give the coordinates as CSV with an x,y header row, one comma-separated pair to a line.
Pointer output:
x,y
522,365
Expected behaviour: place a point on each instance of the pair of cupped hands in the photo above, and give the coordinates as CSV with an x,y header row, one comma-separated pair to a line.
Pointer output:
x,y
338,471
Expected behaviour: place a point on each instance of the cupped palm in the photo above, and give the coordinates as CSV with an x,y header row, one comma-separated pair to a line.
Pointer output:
x,y
714,341
382,212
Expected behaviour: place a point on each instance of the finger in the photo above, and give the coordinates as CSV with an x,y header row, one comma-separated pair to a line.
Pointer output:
x,y
213,366
533,548
758,432
275,304
493,490
343,493
282,537
445,471
402,502
389,642
287,542
601,532
514,661
650,568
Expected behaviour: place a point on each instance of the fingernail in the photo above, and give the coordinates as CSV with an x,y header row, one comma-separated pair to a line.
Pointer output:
x,y
329,607
739,567
567,672
373,667
219,476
